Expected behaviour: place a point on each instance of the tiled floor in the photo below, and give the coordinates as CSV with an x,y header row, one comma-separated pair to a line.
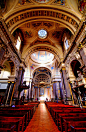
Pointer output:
x,y
42,121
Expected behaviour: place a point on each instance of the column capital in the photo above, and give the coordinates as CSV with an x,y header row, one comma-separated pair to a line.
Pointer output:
x,y
12,78
62,67
22,66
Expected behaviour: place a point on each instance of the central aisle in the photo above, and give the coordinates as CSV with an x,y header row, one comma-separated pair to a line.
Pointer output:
x,y
42,121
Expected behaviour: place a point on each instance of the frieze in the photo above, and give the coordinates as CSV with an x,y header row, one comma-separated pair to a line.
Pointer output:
x,y
43,13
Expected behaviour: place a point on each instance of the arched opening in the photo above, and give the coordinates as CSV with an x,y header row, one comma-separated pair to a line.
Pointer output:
x,y
75,64
8,70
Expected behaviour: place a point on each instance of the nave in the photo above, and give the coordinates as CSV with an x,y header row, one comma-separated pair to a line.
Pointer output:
x,y
42,121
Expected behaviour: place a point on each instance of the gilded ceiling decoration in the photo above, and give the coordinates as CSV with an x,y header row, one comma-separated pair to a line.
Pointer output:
x,y
28,34
62,18
42,33
22,2
42,70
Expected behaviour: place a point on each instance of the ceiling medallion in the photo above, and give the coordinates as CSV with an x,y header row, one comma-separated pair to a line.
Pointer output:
x,y
42,1
42,33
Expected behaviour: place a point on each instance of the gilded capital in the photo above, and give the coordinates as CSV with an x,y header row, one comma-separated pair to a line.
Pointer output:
x,y
80,46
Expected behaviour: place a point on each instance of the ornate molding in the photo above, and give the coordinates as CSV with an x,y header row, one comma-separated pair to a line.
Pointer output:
x,y
23,16
43,48
74,41
7,39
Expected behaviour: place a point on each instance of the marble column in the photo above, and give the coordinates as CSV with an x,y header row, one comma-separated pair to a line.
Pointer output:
x,y
51,92
30,90
38,93
10,89
18,82
58,91
60,88
6,93
65,84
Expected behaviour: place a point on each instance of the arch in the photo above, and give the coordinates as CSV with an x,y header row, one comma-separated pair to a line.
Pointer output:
x,y
43,75
66,18
75,64
42,68
51,49
8,68
12,64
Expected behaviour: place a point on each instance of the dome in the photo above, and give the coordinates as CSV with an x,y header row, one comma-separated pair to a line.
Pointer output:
x,y
42,56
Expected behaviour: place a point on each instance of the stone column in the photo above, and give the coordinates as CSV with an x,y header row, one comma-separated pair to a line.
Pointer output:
x,y
30,90
38,93
54,91
65,84
10,89
6,93
18,82
58,91
33,93
51,91
60,88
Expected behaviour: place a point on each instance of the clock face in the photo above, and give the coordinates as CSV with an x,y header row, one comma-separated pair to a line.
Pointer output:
x,y
42,33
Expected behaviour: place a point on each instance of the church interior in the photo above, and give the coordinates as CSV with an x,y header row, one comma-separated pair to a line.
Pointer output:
x,y
42,59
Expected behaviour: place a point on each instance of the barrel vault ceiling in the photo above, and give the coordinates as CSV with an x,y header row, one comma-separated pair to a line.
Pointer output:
x,y
29,16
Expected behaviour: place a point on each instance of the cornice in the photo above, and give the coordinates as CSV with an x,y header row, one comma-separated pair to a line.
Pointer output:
x,y
21,16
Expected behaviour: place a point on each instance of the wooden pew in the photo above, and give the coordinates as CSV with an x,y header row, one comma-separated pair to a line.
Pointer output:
x,y
68,120
20,114
13,109
57,112
13,120
78,126
7,128
60,120
73,129
26,106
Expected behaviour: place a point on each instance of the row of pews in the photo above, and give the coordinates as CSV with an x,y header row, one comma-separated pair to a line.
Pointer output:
x,y
16,118
68,118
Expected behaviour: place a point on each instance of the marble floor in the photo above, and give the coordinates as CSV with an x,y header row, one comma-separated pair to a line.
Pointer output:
x,y
42,121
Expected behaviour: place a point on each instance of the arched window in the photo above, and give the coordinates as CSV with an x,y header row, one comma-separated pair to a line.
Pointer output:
x,y
18,44
66,44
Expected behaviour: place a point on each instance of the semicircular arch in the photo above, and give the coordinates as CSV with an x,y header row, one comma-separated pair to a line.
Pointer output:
x,y
43,47
67,19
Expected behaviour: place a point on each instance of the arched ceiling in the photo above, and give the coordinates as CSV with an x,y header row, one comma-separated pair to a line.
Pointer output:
x,y
42,76
29,16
